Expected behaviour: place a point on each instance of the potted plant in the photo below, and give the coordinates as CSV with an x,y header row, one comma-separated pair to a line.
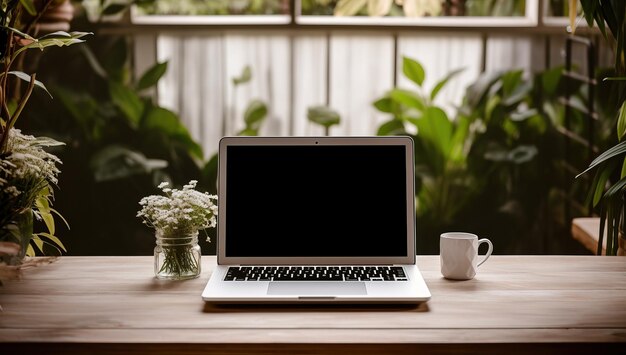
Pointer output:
x,y
609,17
28,172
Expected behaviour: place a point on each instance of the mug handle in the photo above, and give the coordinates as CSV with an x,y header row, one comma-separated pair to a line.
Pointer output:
x,y
485,240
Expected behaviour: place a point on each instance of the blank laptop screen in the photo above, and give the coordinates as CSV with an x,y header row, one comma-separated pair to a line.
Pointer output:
x,y
316,201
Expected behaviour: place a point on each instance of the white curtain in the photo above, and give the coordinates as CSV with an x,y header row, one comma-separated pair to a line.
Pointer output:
x,y
361,71
194,85
309,83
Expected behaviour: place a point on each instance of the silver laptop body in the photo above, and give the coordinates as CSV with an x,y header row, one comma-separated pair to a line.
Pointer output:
x,y
316,219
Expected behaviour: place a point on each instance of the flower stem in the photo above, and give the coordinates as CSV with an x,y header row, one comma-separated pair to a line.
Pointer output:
x,y
179,261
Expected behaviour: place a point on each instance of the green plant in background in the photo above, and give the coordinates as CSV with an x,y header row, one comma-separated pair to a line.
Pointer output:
x,y
414,8
28,173
610,15
214,7
517,149
98,10
442,184
121,143
323,116
255,112
409,8
123,127
492,166
318,7
495,7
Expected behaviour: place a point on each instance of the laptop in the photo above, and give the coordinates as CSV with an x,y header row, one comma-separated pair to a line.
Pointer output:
x,y
317,220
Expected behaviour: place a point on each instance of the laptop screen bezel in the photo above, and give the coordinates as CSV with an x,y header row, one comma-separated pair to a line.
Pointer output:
x,y
405,141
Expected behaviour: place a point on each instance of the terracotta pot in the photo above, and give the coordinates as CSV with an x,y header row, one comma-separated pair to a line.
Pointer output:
x,y
57,16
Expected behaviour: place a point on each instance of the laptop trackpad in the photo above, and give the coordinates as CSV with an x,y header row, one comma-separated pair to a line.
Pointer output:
x,y
316,288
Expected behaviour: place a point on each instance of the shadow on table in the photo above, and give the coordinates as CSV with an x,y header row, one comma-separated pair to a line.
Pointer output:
x,y
269,308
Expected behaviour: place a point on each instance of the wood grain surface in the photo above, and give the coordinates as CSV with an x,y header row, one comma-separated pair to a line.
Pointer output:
x,y
516,304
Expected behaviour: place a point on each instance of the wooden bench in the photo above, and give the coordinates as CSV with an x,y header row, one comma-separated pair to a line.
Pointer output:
x,y
586,230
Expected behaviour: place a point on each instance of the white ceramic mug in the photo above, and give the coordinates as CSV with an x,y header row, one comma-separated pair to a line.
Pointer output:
x,y
459,255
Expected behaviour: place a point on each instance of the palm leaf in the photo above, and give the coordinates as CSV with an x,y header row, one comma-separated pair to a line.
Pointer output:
x,y
614,151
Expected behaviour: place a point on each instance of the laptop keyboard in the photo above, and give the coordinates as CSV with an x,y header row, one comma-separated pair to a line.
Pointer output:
x,y
315,273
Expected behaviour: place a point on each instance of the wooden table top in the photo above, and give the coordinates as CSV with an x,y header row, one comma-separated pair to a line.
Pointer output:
x,y
515,304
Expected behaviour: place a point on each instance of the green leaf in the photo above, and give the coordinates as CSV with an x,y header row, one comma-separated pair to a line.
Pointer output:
x,y
54,239
255,114
65,35
21,34
38,242
459,137
115,60
518,95
393,127
43,243
550,80
478,90
117,162
615,191
407,98
519,116
113,9
491,105
589,9
614,151
59,39
440,85
43,206
128,102
413,70
82,108
511,80
621,121
26,78
152,76
246,76
29,6
435,127
323,115
349,7
248,132
384,104
60,216
30,251
603,176
163,121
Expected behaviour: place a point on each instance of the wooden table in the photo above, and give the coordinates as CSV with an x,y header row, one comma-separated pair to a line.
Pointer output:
x,y
516,304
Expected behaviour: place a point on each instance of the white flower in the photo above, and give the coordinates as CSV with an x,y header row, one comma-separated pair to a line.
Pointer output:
x,y
27,172
12,191
184,211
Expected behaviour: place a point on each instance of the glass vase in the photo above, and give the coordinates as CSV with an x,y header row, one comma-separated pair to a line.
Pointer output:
x,y
21,234
176,255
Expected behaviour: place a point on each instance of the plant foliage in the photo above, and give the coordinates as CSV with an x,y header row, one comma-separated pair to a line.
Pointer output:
x,y
488,167
609,16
